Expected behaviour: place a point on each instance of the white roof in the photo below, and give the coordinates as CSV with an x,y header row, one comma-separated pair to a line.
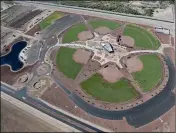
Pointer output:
x,y
107,46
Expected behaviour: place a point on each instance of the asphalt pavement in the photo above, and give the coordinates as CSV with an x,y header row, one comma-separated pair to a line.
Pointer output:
x,y
60,25
82,11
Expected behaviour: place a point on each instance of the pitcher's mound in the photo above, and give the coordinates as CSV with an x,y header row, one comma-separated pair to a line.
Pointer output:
x,y
81,56
85,35
134,64
103,30
111,74
128,41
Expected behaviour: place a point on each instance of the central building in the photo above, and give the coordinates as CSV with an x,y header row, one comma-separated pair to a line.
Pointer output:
x,y
108,47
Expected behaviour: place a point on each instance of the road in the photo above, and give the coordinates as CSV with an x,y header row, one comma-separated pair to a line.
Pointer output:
x,y
61,25
137,116
16,116
144,21
37,104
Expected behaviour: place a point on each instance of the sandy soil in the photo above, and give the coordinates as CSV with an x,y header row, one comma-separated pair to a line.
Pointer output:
x,y
11,77
13,119
162,37
81,56
103,30
32,31
85,35
134,64
111,74
127,40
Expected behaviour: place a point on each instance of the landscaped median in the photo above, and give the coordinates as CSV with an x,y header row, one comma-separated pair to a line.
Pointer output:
x,y
50,19
142,37
66,64
120,91
151,73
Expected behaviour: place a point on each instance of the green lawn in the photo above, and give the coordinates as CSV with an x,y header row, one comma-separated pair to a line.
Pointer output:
x,y
66,64
120,91
71,33
50,19
151,72
142,37
110,24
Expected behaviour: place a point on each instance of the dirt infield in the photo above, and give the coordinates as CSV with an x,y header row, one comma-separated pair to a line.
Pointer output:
x,y
85,35
110,74
103,30
134,64
81,56
127,40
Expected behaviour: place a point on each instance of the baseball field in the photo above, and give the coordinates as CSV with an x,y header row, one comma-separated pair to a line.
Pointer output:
x,y
142,37
119,91
66,64
72,33
151,73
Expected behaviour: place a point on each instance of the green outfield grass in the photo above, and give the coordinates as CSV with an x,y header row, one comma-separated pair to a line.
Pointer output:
x,y
151,73
71,33
66,64
110,92
107,23
50,19
142,37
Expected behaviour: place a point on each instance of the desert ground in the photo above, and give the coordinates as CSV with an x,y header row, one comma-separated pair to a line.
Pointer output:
x,y
13,119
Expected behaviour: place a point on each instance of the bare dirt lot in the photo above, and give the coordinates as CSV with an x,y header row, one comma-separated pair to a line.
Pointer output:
x,y
127,41
13,119
111,74
134,64
7,49
85,35
11,77
27,17
103,30
32,31
81,56
162,37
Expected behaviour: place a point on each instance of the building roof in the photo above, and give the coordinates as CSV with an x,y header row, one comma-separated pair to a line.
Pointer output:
x,y
107,46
